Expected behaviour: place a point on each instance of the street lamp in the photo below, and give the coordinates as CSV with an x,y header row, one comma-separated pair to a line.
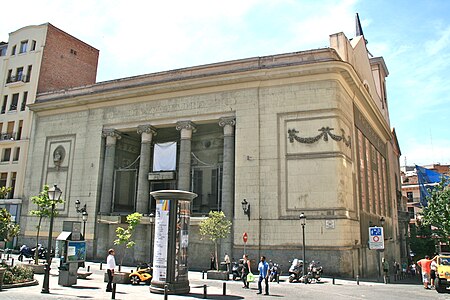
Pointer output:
x,y
54,194
303,223
246,208
84,214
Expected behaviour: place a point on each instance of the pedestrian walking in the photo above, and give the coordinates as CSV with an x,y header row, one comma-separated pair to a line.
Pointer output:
x,y
110,266
227,262
425,266
263,268
246,268
433,269
212,260
385,266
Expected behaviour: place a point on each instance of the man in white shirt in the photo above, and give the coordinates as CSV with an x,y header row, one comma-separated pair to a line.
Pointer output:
x,y
110,266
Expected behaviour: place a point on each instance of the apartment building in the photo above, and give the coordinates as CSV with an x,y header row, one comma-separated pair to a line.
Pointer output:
x,y
36,59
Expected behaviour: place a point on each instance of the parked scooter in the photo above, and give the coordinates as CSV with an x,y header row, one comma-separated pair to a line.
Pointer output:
x,y
275,272
315,271
28,252
236,269
296,270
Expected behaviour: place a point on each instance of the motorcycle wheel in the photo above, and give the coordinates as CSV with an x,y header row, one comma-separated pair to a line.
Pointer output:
x,y
270,278
20,258
135,280
291,278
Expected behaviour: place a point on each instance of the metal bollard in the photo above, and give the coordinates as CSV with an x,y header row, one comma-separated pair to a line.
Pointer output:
x,y
101,265
224,287
113,295
333,280
166,291
205,293
12,262
88,268
203,274
357,279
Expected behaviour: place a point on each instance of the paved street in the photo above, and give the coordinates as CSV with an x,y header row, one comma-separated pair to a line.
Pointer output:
x,y
94,288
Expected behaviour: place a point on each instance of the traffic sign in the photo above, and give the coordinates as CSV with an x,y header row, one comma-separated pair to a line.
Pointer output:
x,y
376,238
245,237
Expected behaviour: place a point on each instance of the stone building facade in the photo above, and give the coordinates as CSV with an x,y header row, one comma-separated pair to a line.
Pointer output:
x,y
290,133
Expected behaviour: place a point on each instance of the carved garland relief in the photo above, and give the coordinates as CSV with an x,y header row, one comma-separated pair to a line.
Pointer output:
x,y
325,133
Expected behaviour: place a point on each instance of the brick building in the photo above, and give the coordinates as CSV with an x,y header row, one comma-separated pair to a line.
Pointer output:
x,y
35,59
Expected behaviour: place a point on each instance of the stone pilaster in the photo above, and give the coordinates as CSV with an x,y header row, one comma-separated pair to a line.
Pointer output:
x,y
186,129
108,170
228,178
143,193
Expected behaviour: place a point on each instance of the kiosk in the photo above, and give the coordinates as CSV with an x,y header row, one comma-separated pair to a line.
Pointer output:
x,y
71,250
170,258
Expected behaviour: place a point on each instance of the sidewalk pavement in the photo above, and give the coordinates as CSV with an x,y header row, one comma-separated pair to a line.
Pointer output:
x,y
95,288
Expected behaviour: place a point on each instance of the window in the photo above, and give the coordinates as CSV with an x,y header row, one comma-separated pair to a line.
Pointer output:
x,y
23,46
16,154
411,212
2,50
27,79
19,74
13,184
24,101
14,102
410,196
33,45
19,130
5,100
6,154
3,178
9,77
13,51
10,131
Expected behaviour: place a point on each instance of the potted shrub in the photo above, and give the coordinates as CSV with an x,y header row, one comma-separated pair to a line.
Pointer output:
x,y
216,227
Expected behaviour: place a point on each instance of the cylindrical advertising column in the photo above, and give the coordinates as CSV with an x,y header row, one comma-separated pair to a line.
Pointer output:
x,y
173,211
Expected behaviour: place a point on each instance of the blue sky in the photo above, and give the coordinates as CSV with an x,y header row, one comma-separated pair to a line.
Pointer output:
x,y
140,37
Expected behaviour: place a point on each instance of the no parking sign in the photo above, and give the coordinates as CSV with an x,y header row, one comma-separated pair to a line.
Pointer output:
x,y
376,238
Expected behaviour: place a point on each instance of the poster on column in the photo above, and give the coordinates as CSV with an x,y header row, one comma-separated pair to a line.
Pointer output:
x,y
161,240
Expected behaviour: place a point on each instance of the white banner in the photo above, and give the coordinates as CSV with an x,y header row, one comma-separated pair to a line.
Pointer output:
x,y
165,157
161,240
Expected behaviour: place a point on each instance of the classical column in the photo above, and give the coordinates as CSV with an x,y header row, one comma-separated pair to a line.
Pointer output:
x,y
108,170
228,177
184,168
143,193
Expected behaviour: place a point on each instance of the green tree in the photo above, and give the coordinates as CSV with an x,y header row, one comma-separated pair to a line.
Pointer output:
x,y
215,227
44,210
4,191
437,213
8,228
421,241
124,235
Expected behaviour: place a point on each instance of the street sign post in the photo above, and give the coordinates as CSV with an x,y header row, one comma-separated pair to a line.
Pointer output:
x,y
376,238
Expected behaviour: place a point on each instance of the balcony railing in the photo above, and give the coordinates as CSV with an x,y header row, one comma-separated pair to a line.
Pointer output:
x,y
18,78
8,136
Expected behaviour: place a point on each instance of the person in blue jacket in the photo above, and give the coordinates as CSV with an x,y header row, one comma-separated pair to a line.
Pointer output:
x,y
263,268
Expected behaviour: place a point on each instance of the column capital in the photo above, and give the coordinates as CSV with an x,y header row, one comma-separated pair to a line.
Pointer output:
x,y
227,121
189,125
111,132
147,128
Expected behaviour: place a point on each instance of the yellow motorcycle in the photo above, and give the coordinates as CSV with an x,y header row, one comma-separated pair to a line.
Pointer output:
x,y
142,274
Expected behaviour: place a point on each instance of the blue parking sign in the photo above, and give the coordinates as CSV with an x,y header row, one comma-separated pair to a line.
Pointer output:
x,y
375,231
376,238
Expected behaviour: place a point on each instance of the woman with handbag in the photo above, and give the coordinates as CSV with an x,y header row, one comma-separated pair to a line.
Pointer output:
x,y
246,269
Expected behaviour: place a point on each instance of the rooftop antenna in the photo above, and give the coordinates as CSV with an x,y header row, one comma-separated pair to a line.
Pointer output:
x,y
359,32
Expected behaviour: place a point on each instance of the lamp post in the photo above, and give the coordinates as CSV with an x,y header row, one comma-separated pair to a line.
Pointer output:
x,y
54,194
303,223
246,208
382,221
84,214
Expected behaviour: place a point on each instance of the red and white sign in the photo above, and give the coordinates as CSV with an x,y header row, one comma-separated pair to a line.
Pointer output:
x,y
245,237
376,238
